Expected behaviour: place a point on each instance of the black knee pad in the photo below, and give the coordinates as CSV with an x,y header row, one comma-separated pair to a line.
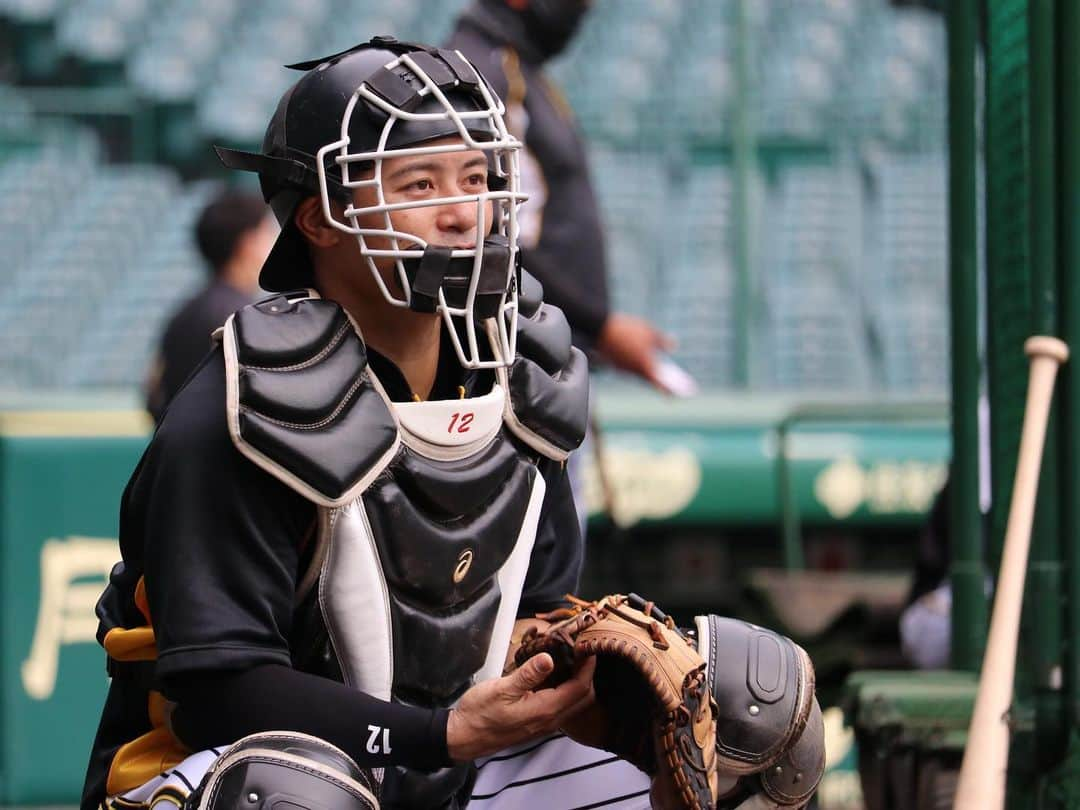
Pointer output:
x,y
792,780
770,724
763,684
280,770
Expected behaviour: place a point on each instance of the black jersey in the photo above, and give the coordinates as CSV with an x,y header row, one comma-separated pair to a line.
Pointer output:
x,y
213,550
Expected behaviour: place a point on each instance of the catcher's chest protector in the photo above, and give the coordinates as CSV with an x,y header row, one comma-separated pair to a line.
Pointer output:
x,y
428,511
421,576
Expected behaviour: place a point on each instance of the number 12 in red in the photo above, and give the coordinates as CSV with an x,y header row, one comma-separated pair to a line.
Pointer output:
x,y
462,421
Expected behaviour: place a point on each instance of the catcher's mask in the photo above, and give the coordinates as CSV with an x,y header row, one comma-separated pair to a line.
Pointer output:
x,y
332,133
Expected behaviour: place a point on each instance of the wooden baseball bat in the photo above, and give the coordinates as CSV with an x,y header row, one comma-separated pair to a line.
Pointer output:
x,y
986,757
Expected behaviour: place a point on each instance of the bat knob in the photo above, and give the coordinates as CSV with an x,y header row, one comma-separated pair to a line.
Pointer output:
x,y
1046,346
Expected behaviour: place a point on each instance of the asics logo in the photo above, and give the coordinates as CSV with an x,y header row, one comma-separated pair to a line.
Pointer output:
x,y
464,563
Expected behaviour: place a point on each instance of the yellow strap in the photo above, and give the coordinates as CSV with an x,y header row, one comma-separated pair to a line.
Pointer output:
x,y
515,81
142,759
142,601
135,644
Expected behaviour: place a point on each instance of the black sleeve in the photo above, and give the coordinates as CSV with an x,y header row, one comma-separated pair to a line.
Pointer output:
x,y
555,566
219,537
485,53
224,706
585,313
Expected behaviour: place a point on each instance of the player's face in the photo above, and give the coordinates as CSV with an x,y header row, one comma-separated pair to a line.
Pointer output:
x,y
419,179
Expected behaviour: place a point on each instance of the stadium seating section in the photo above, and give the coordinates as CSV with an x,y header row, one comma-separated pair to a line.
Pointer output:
x,y
841,206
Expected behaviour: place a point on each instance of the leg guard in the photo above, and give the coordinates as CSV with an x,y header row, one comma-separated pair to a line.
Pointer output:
x,y
285,771
792,779
769,726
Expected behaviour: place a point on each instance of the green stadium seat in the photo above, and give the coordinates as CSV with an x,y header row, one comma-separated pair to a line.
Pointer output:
x,y
810,271
102,31
433,22
118,343
695,285
911,272
80,262
816,340
180,46
32,11
856,83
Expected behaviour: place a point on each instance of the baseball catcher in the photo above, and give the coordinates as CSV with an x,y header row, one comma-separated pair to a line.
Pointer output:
x,y
359,498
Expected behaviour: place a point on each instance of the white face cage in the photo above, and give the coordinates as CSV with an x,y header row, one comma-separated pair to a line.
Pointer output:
x,y
503,151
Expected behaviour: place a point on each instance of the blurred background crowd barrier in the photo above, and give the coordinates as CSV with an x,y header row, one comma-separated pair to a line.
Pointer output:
x,y
772,173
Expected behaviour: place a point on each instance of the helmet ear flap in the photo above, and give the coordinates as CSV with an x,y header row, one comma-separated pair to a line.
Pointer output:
x,y
283,180
283,204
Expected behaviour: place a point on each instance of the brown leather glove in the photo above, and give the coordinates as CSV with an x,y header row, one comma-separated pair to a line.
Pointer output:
x,y
653,707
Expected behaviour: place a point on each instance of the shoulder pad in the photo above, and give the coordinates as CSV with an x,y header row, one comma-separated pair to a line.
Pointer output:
x,y
763,684
300,401
547,405
544,338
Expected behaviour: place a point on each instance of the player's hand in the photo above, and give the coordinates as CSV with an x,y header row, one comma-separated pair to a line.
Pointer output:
x,y
632,344
496,714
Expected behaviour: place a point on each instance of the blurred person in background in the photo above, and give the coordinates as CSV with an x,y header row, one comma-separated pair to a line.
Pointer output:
x,y
562,235
925,623
234,234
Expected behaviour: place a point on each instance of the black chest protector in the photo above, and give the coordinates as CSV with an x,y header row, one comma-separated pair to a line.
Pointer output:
x,y
427,511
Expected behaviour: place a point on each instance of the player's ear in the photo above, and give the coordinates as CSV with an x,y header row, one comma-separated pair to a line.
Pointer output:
x,y
312,224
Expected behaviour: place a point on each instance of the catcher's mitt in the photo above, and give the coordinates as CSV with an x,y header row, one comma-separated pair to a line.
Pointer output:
x,y
653,705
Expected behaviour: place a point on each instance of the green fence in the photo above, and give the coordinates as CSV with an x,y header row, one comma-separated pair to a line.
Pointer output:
x,y
731,460
61,476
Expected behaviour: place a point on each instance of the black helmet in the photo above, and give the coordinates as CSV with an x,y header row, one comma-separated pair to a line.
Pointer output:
x,y
329,135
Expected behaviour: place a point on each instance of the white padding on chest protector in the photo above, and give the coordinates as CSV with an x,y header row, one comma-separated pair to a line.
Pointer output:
x,y
511,582
454,422
355,598
355,602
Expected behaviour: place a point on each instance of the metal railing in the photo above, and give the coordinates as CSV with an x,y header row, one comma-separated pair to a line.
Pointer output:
x,y
791,529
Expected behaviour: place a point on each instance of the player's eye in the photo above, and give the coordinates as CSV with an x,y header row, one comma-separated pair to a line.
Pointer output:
x,y
422,184
478,179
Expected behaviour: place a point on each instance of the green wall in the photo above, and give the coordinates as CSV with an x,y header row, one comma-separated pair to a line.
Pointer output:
x,y
59,498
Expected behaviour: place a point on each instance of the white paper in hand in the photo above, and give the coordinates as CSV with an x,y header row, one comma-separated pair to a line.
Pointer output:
x,y
676,379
